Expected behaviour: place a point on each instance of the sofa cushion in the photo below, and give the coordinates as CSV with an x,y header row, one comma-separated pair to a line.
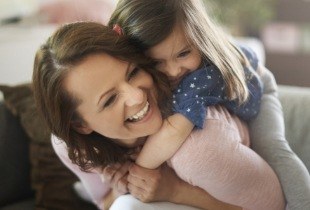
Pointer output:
x,y
15,168
295,102
50,179
27,204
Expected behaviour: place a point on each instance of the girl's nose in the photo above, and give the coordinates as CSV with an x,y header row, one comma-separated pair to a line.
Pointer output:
x,y
173,70
134,95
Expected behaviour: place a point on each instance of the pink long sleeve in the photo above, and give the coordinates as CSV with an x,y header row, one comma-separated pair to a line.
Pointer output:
x,y
91,181
218,159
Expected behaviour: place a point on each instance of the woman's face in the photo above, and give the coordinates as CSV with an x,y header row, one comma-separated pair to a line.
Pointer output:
x,y
118,100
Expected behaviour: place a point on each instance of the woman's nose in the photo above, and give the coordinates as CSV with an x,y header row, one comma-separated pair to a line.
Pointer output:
x,y
134,95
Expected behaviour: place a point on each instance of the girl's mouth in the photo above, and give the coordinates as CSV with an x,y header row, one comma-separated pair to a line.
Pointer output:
x,y
175,81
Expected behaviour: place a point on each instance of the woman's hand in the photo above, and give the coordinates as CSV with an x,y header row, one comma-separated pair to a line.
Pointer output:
x,y
162,184
153,185
116,175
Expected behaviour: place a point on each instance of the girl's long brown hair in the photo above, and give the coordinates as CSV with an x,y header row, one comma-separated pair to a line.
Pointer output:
x,y
149,22
66,48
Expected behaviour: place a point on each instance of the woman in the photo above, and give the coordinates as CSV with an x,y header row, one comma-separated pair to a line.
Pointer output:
x,y
89,84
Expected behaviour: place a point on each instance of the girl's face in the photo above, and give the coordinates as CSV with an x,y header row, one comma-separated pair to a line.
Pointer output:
x,y
118,100
176,57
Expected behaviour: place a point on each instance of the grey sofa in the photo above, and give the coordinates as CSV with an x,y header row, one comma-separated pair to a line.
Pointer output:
x,y
16,192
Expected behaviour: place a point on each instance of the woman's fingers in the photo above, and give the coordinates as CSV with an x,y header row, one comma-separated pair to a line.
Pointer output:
x,y
122,185
120,178
116,175
137,181
156,185
108,172
145,181
138,193
121,172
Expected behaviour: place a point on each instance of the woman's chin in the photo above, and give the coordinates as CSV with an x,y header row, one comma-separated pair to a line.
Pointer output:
x,y
140,141
132,143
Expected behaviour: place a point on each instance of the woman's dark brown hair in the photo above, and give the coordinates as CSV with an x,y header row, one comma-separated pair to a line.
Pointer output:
x,y
66,48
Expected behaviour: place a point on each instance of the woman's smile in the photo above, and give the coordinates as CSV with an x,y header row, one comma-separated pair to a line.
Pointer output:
x,y
140,115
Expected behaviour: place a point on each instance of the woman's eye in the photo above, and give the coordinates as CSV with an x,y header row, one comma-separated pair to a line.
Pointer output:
x,y
184,53
134,72
109,101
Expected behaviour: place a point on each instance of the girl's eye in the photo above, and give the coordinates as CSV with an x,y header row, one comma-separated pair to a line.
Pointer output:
x,y
133,73
157,63
184,53
109,101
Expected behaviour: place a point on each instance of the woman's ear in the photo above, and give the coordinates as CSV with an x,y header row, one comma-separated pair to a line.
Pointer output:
x,y
81,127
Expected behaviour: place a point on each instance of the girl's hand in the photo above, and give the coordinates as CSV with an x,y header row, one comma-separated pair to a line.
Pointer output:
x,y
116,175
152,185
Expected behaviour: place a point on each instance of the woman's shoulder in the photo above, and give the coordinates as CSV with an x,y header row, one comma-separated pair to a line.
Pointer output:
x,y
59,146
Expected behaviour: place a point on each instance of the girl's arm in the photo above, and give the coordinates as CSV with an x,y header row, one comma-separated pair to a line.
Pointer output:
x,y
268,140
162,145
162,184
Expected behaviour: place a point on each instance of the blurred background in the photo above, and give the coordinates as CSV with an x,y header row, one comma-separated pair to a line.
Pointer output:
x,y
282,26
280,29
26,24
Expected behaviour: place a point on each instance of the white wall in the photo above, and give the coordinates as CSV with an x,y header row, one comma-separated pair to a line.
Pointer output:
x,y
18,44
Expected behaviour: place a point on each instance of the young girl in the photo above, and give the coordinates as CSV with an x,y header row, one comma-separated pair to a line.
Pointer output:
x,y
198,76
149,24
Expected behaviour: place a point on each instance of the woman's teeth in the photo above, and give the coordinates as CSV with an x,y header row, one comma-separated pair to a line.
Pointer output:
x,y
141,114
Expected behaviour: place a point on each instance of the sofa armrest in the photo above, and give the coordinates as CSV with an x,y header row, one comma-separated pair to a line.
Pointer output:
x,y
295,102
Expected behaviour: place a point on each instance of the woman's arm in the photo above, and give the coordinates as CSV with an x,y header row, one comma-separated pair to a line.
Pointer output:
x,y
162,145
268,140
95,187
162,184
